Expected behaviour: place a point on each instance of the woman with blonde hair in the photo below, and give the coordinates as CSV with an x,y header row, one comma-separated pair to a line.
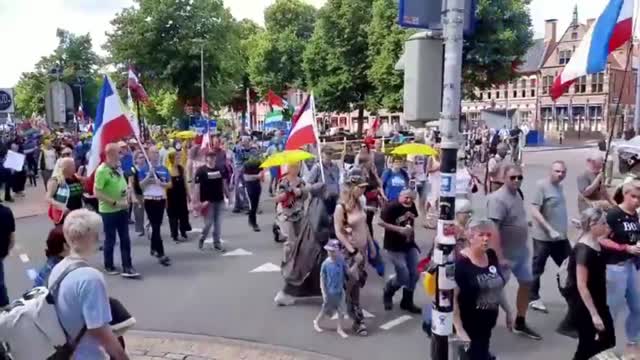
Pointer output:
x,y
64,190
350,222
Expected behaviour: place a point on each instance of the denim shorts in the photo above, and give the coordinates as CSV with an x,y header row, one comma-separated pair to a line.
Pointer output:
x,y
520,266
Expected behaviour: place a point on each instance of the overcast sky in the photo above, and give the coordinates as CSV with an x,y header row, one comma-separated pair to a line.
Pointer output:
x,y
28,27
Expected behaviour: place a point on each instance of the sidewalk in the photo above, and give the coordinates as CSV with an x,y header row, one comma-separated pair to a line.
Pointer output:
x,y
144,345
32,204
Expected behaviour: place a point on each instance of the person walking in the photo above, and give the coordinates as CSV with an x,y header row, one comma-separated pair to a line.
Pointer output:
x,y
135,190
550,226
47,161
7,242
351,229
591,187
291,197
398,221
210,192
506,208
333,275
495,167
64,190
242,153
252,176
622,252
394,180
373,194
587,288
479,293
110,188
178,199
154,179
331,179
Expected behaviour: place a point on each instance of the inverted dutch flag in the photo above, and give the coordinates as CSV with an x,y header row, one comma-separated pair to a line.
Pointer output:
x,y
612,29
111,125
304,131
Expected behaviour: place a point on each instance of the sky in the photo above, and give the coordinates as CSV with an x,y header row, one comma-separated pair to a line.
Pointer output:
x,y
28,27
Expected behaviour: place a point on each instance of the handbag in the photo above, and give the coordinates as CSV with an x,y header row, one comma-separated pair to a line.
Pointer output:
x,y
55,213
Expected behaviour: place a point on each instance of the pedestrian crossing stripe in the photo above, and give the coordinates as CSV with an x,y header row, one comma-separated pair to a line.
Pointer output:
x,y
238,252
367,315
395,322
268,267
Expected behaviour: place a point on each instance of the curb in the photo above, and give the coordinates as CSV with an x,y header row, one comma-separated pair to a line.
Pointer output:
x,y
232,342
29,215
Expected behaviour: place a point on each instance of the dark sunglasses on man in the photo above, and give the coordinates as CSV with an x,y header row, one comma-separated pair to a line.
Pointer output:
x,y
516,177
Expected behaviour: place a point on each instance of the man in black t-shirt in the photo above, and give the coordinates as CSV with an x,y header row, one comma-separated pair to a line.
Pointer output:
x,y
211,190
7,240
398,219
622,252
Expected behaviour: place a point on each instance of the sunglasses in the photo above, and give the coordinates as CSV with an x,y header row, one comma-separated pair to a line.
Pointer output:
x,y
516,177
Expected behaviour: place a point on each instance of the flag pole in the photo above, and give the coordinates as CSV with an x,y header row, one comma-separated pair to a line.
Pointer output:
x,y
202,86
315,133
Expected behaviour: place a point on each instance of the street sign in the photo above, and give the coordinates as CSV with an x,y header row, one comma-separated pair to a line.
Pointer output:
x,y
427,14
6,101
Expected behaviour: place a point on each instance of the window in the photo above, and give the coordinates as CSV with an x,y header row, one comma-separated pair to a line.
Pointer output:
x,y
481,95
523,83
580,86
489,95
597,83
365,119
547,81
498,94
524,93
533,83
515,93
574,36
533,93
564,57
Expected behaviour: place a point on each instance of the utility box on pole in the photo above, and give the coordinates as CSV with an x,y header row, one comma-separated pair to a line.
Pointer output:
x,y
423,57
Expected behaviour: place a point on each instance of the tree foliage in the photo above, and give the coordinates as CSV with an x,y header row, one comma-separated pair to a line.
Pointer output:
x,y
336,59
77,60
276,54
501,39
163,39
386,44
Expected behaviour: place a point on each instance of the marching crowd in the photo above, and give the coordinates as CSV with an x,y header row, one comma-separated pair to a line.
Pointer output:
x,y
326,212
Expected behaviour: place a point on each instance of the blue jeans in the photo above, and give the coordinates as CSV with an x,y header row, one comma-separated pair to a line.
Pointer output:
x,y
241,202
406,266
213,218
622,286
116,222
4,297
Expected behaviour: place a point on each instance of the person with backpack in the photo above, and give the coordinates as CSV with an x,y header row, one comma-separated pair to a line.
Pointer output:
x,y
7,241
81,300
394,180
586,288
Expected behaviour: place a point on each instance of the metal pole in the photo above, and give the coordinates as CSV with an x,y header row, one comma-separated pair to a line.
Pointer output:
x,y
140,122
202,101
636,114
442,316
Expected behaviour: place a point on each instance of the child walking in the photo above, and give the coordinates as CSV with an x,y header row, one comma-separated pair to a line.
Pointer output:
x,y
333,273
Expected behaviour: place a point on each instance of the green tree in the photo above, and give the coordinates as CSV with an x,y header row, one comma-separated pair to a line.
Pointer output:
x,y
163,106
386,44
336,59
163,38
501,39
275,60
74,55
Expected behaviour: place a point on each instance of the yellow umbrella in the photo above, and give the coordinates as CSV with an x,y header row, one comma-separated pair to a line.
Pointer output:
x,y
415,149
186,135
285,158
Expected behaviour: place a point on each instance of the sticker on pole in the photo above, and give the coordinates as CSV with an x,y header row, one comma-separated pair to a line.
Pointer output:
x,y
442,323
447,185
446,277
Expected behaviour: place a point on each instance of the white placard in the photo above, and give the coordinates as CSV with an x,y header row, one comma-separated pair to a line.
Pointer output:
x,y
441,323
14,161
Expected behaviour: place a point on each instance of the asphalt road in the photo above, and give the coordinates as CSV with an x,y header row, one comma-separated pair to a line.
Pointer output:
x,y
206,293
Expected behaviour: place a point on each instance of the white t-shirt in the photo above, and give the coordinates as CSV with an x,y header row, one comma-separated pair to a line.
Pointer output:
x,y
49,159
463,182
419,172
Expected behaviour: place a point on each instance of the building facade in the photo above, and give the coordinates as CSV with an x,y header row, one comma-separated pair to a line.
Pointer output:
x,y
585,111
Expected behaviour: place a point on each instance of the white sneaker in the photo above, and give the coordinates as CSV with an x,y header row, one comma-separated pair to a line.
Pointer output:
x,y
283,299
538,305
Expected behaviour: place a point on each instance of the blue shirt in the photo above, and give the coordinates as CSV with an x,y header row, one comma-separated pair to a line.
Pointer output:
x,y
126,163
242,154
43,274
394,182
82,300
333,274
161,172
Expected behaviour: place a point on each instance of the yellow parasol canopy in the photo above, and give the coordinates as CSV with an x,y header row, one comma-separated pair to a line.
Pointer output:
x,y
186,135
415,149
285,158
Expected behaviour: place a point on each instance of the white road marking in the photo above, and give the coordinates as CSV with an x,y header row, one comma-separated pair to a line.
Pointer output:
x,y
366,314
395,322
268,267
238,252
24,258
32,274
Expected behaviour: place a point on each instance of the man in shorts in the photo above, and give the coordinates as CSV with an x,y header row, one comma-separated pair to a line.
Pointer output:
x,y
506,208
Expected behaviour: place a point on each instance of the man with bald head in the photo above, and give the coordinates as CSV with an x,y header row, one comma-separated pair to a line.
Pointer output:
x,y
591,187
110,188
